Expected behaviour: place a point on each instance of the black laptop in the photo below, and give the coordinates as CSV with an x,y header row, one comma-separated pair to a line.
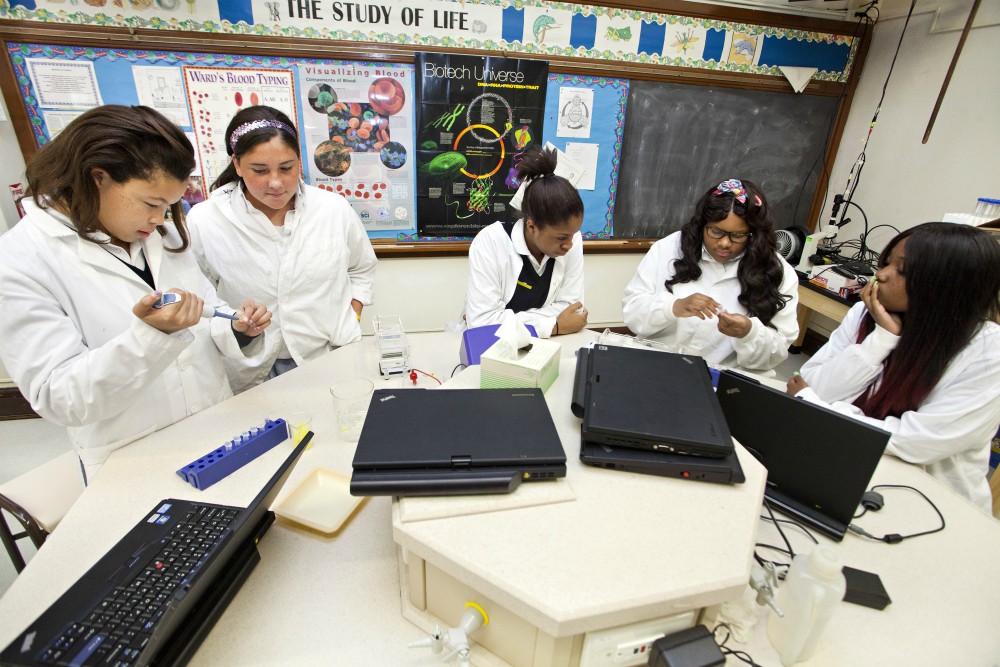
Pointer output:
x,y
819,462
726,470
434,442
646,399
155,595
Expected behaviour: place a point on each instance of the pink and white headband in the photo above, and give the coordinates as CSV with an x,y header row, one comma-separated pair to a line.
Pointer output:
x,y
734,186
257,125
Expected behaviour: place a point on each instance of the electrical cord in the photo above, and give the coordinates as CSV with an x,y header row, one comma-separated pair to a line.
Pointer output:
x,y
796,524
741,655
456,368
896,538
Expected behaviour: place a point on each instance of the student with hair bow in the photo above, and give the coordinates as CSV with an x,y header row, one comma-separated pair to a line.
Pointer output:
x,y
718,287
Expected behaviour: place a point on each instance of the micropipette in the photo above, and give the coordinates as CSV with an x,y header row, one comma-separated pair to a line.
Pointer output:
x,y
172,297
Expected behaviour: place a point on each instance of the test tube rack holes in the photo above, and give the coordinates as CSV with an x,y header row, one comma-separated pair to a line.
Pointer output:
x,y
234,454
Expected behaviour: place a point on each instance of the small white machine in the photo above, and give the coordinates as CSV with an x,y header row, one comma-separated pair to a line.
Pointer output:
x,y
813,242
392,348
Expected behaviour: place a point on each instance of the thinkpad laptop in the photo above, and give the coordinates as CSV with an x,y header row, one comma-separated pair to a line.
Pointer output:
x,y
646,399
155,595
421,442
726,470
819,462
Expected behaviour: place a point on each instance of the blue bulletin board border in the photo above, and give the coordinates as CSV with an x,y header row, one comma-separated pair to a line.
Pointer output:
x,y
610,102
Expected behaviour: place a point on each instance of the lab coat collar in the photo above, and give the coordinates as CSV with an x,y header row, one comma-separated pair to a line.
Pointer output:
x,y
50,222
521,246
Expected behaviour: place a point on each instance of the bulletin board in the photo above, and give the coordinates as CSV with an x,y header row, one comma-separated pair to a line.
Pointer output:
x,y
585,118
336,105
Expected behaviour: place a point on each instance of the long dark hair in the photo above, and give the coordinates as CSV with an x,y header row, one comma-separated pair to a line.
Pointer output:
x,y
548,199
276,124
128,143
760,271
952,276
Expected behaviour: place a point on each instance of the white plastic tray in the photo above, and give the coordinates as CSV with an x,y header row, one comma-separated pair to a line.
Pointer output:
x,y
322,501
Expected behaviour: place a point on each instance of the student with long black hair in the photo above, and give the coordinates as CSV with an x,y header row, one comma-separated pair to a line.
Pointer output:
x,y
534,266
718,286
920,355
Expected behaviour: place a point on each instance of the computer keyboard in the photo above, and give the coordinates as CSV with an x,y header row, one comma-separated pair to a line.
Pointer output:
x,y
116,630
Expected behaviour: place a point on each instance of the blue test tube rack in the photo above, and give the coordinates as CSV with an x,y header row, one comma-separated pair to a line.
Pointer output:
x,y
234,454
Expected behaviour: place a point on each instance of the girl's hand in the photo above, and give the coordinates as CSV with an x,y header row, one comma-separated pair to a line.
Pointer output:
x,y
173,317
734,324
256,318
696,305
796,384
891,322
357,306
571,320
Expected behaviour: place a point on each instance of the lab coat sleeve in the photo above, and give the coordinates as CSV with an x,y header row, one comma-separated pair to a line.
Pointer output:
x,y
767,346
362,261
196,217
842,369
961,412
484,297
64,380
648,307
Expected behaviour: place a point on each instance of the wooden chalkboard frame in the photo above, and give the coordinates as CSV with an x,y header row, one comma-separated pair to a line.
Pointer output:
x,y
78,35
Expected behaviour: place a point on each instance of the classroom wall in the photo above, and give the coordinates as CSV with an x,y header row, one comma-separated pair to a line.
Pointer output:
x,y
427,292
11,169
905,182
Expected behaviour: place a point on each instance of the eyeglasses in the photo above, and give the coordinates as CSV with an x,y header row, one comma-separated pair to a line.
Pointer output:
x,y
735,237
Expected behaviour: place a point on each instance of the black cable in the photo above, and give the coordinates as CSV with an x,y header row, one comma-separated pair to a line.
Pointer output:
x,y
862,19
792,523
741,655
896,538
788,544
456,368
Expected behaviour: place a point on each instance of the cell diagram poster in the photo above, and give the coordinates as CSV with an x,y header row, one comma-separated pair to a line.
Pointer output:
x,y
358,132
475,118
215,94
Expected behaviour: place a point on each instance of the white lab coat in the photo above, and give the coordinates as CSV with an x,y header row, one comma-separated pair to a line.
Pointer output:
x,y
307,276
647,309
949,434
79,355
494,265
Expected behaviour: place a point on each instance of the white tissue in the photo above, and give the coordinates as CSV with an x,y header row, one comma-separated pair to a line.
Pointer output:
x,y
513,332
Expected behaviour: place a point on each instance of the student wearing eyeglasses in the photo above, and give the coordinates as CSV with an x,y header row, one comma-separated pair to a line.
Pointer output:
x,y
718,287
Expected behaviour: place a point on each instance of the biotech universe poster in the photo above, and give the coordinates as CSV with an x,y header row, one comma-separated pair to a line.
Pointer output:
x,y
475,118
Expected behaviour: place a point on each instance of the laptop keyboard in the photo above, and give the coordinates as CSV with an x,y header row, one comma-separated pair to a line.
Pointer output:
x,y
117,629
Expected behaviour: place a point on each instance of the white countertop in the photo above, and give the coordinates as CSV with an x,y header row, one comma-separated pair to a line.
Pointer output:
x,y
316,599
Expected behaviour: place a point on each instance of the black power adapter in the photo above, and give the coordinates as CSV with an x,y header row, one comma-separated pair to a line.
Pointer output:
x,y
693,647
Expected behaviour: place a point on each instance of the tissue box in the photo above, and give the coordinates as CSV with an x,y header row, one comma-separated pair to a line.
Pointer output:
x,y
503,367
477,340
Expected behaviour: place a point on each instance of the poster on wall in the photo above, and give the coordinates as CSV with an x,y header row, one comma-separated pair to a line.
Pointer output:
x,y
358,131
214,96
475,118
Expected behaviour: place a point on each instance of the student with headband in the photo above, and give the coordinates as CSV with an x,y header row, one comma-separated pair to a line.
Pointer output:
x,y
264,232
534,266
718,286
920,355
103,237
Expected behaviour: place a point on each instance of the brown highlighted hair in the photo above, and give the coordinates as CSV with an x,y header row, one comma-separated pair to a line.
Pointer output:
x,y
128,143
548,199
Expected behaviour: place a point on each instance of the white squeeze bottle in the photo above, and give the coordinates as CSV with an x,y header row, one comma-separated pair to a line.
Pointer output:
x,y
812,589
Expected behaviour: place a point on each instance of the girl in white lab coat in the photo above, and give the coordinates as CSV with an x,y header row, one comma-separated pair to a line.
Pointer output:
x,y
79,275
920,355
532,267
265,233
718,286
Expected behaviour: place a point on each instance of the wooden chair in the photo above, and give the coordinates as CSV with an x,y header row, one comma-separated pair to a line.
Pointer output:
x,y
38,500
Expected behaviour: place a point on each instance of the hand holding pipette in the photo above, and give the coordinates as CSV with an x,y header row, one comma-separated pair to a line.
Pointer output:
x,y
186,309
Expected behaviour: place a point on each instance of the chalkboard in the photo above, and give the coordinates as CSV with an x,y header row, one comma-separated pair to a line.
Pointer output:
x,y
680,139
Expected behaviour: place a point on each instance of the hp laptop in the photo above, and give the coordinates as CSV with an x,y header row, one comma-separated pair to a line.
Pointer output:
x,y
647,399
434,442
155,595
819,462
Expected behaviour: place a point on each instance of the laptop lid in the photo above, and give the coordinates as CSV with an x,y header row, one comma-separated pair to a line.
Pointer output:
x,y
435,437
195,604
819,462
649,399
726,470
